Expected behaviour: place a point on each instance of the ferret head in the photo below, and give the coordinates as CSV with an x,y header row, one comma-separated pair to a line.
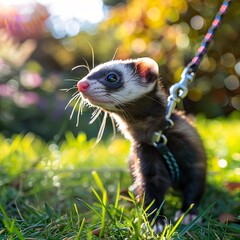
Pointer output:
x,y
117,83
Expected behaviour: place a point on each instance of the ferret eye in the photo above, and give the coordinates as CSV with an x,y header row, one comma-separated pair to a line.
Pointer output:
x,y
112,80
112,77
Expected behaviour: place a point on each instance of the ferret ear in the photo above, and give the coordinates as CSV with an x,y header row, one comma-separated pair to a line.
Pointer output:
x,y
147,69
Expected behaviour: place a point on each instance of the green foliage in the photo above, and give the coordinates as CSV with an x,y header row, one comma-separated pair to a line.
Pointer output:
x,y
221,139
29,95
72,190
33,71
51,190
171,32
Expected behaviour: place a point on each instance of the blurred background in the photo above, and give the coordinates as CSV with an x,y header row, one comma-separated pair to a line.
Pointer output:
x,y
42,40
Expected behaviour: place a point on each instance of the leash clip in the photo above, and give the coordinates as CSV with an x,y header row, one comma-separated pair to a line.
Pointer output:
x,y
179,91
158,138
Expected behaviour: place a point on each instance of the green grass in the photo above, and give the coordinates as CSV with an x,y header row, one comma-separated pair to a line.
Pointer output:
x,y
72,190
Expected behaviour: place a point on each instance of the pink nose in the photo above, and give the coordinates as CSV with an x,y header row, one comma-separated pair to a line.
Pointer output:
x,y
82,85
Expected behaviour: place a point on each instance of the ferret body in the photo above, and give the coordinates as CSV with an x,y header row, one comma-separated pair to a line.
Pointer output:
x,y
132,93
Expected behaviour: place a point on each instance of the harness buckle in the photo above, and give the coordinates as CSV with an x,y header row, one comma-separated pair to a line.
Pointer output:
x,y
158,138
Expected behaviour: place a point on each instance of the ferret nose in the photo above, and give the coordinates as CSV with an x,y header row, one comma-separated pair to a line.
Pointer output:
x,y
82,85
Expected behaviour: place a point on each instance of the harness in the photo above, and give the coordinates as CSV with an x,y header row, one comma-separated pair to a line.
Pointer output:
x,y
179,91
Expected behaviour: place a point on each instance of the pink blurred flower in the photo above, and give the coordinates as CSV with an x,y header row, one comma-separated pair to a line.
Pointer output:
x,y
31,80
25,99
7,90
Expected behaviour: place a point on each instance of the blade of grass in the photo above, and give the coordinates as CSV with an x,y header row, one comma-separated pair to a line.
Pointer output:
x,y
128,199
80,230
48,210
76,210
179,221
90,207
98,181
189,226
10,225
103,203
166,228
234,226
157,213
117,197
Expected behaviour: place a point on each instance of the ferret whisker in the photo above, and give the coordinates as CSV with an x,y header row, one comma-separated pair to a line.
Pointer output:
x,y
95,115
102,127
92,51
115,53
81,66
64,89
75,105
76,95
80,109
95,112
77,92
131,103
154,100
128,102
125,113
113,126
119,104
69,89
71,80
87,65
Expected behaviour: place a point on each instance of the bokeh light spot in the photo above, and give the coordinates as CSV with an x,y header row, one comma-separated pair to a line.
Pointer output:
x,y
235,101
222,163
154,14
72,27
236,155
231,82
139,45
195,95
197,22
182,41
237,68
172,14
228,60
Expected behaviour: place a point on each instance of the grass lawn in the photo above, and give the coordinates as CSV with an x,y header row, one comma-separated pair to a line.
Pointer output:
x,y
72,190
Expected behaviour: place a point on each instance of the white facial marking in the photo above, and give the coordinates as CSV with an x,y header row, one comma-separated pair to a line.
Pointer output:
x,y
133,85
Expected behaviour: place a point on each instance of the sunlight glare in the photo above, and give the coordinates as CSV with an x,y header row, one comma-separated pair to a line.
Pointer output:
x,y
222,163
88,10
15,2
83,10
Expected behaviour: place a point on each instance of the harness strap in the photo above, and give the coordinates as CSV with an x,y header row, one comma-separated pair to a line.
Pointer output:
x,y
170,161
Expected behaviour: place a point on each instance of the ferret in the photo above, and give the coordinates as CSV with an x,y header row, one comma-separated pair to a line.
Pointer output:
x,y
132,93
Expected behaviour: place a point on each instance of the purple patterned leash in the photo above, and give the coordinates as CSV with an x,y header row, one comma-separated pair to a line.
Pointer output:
x,y
193,65
179,90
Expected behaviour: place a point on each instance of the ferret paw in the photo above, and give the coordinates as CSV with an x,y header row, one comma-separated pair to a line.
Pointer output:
x,y
159,226
187,219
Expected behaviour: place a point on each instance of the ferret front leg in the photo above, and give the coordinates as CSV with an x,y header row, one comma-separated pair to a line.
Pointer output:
x,y
192,194
155,191
156,182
